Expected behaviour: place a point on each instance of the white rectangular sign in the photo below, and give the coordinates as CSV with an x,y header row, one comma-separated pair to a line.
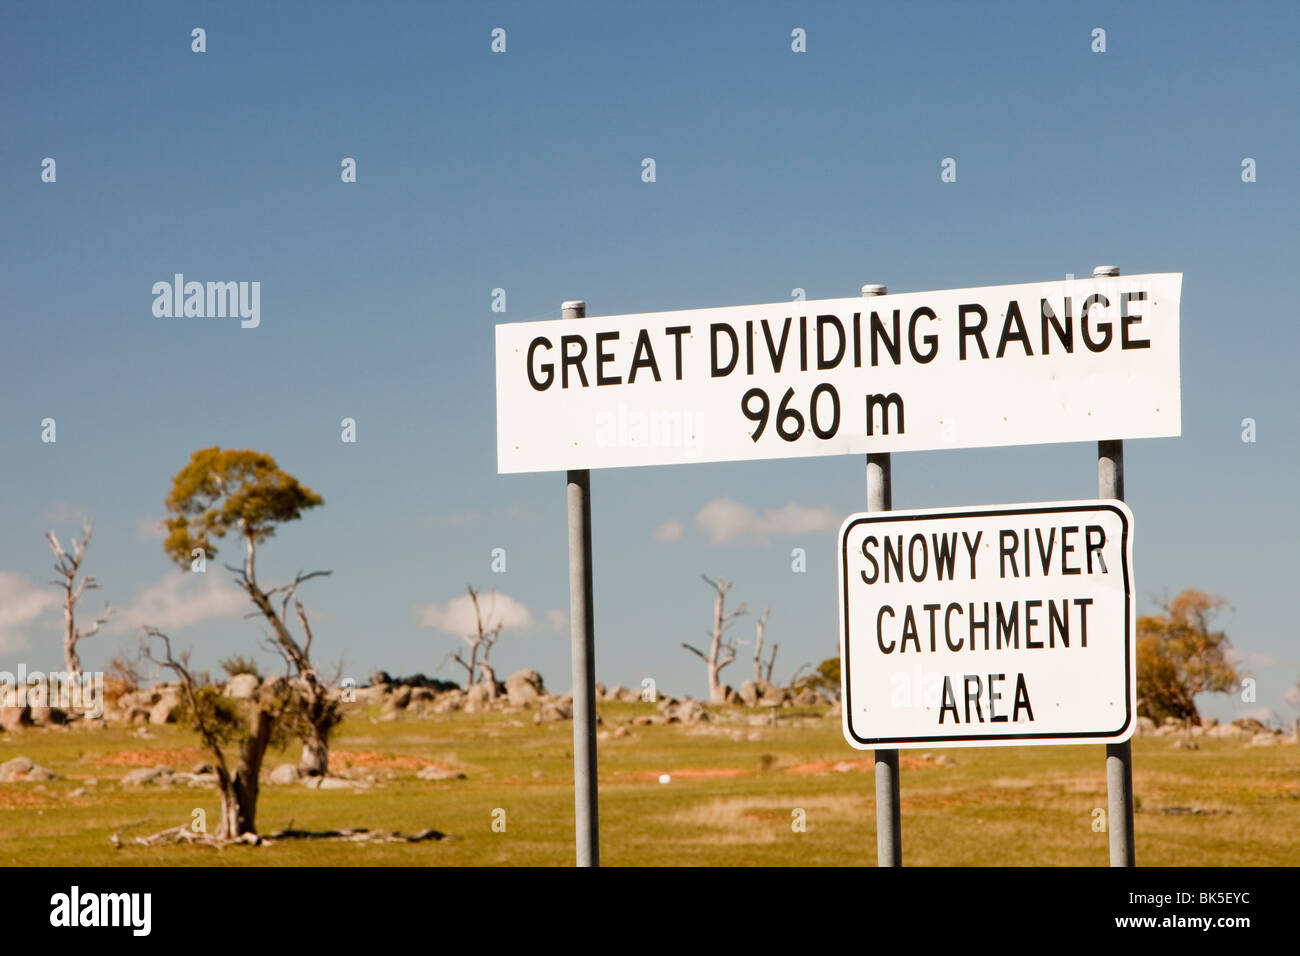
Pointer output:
x,y
1071,360
989,626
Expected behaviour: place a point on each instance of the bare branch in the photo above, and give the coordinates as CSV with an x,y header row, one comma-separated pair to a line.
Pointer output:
x,y
187,684
698,653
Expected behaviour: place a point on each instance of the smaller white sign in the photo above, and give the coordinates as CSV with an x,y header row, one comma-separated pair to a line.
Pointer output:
x,y
989,626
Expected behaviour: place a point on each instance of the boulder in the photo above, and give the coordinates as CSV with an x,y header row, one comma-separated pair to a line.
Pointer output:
x,y
687,711
440,773
43,716
286,773
16,769
147,775
15,718
380,677
1208,722
164,711
835,710
807,698
398,699
243,686
1265,738
618,692
749,693
452,700
553,710
1249,724
524,687
1145,727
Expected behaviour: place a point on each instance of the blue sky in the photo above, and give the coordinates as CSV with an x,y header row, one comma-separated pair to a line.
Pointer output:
x,y
521,171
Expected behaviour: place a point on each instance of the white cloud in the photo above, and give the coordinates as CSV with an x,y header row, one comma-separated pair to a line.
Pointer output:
x,y
670,530
150,529
557,619
457,616
181,599
60,512
21,602
723,520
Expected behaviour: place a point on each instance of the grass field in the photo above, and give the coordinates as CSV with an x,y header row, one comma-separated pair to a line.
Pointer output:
x,y
731,801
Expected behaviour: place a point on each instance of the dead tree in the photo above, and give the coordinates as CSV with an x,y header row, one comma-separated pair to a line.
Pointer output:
x,y
486,633
216,723
318,710
68,566
762,671
721,650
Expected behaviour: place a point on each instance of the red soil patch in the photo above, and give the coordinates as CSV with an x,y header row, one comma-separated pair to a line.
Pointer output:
x,y
690,773
22,800
856,766
347,759
177,757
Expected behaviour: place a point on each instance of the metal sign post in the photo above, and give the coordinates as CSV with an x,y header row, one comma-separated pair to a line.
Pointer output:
x,y
1119,757
889,830
582,634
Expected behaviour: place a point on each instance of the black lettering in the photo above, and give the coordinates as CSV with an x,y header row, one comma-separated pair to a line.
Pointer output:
x,y
879,333
643,357
931,340
949,701
931,608
947,627
975,697
1020,335
1045,556
909,631
1030,621
911,557
994,696
1125,320
880,637
546,368
885,402
1104,327
945,553
1009,626
1090,546
602,357
1082,605
975,330
1008,552
714,329
971,546
1066,548
1061,621
979,625
566,359
875,565
677,331
777,355
1064,335
1022,699
822,322
894,558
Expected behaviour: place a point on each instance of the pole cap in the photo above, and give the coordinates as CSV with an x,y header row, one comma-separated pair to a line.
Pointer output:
x,y
874,289
1100,271
573,308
